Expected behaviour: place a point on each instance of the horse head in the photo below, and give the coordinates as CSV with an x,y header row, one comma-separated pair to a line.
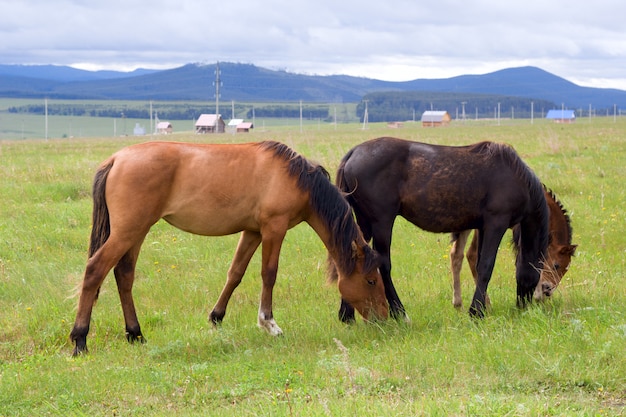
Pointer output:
x,y
555,267
363,288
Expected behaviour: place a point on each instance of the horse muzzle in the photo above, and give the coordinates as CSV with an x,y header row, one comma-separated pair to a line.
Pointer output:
x,y
543,290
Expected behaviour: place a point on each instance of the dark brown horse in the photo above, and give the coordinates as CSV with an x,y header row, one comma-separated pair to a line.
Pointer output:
x,y
485,186
259,189
560,252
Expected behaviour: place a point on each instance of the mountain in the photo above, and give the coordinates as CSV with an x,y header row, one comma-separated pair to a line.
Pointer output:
x,y
249,83
65,74
528,82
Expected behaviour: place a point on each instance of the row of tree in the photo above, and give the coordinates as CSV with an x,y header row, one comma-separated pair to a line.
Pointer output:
x,y
381,107
400,106
175,111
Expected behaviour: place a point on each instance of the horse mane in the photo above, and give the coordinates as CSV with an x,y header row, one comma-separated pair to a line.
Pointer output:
x,y
570,231
535,188
327,202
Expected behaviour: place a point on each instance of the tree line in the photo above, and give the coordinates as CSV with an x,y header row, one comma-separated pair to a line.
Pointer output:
x,y
176,111
401,106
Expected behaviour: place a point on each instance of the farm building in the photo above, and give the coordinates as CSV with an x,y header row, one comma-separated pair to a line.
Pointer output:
x,y
244,127
210,123
139,130
561,116
435,118
232,125
164,128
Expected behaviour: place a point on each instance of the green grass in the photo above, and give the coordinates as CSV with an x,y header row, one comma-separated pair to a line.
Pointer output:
x,y
18,126
561,358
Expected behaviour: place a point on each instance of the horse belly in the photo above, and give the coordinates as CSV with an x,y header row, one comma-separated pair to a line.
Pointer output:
x,y
442,213
210,222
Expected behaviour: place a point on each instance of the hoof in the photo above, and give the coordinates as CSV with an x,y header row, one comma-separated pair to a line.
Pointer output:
x,y
79,336
477,313
346,317
134,335
216,318
80,350
270,326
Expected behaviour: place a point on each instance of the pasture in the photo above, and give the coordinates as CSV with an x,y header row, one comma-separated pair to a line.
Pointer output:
x,y
564,357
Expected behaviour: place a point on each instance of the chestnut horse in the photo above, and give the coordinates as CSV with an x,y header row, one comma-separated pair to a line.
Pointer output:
x,y
560,252
447,189
259,189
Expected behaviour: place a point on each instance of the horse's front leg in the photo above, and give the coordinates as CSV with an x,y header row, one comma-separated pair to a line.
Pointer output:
x,y
381,242
248,244
272,242
488,243
456,263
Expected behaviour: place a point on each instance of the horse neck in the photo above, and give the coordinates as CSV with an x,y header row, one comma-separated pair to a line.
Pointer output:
x,y
559,225
325,233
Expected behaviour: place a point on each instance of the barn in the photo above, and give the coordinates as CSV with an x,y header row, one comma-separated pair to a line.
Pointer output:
x,y
435,118
164,128
210,123
561,116
244,127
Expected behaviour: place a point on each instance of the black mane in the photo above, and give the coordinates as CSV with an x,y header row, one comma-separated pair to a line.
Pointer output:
x,y
326,200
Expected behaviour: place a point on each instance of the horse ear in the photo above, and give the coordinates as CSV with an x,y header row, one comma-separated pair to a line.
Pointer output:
x,y
570,249
357,252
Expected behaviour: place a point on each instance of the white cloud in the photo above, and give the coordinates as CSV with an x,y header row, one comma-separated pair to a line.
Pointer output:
x,y
395,40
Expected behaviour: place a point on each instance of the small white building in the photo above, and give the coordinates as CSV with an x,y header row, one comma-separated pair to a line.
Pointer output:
x,y
139,130
561,116
435,118
164,128
210,123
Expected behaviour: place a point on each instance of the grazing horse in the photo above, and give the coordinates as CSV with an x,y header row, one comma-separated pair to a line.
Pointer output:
x,y
560,252
259,189
447,189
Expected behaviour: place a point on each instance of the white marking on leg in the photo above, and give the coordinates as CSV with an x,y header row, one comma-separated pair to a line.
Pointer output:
x,y
269,325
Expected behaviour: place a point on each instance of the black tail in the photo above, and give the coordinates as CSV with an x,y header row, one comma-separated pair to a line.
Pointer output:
x,y
340,180
101,228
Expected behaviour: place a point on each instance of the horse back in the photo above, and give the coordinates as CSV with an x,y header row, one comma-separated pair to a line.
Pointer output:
x,y
437,188
206,189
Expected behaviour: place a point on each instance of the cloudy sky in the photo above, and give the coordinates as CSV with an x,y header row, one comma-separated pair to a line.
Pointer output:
x,y
395,40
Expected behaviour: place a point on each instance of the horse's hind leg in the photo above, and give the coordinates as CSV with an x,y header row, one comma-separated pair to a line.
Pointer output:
x,y
124,277
456,263
97,269
472,260
248,244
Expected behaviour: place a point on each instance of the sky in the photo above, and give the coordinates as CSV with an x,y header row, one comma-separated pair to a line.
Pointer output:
x,y
395,40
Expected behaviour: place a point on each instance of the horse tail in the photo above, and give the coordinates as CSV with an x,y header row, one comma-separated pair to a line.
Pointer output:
x,y
340,179
101,226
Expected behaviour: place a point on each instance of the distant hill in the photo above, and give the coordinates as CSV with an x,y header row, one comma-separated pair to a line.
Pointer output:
x,y
249,83
65,74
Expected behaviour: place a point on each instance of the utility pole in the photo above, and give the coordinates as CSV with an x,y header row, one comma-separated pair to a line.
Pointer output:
x,y
217,96
46,115
365,116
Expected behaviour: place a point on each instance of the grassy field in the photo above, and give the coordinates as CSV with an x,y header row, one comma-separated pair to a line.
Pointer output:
x,y
15,126
562,358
